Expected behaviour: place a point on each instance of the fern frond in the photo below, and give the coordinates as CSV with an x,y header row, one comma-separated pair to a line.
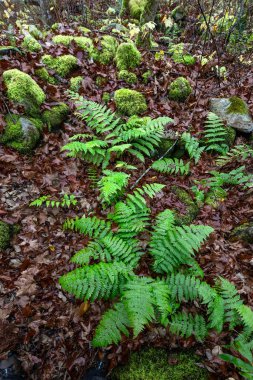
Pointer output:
x,y
234,177
98,281
239,152
65,201
124,165
192,146
113,323
183,287
112,185
91,226
185,325
171,166
246,315
215,134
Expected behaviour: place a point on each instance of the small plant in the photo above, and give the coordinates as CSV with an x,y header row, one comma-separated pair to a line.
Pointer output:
x,y
215,134
234,177
171,166
239,152
65,201
112,185
192,146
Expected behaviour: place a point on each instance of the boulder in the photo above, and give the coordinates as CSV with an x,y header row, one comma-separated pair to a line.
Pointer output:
x,y
243,232
56,116
234,111
21,133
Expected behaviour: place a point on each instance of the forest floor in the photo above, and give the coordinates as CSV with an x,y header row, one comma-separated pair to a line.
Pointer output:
x,y
50,330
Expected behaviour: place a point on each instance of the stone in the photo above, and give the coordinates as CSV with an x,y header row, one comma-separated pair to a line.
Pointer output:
x,y
21,133
234,111
243,232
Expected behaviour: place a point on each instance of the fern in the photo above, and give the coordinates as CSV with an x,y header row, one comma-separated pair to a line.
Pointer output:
x,y
112,185
187,324
215,134
65,201
192,146
171,166
97,281
234,177
173,246
114,322
238,153
91,226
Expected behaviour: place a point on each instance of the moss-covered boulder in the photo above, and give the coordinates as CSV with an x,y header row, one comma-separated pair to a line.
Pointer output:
x,y
243,232
5,235
106,54
21,133
133,8
61,39
22,89
127,56
192,209
126,76
215,196
234,111
56,115
154,364
75,83
130,102
84,43
31,44
179,89
44,75
62,65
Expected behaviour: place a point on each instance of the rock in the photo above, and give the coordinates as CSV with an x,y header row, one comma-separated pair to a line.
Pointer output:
x,y
243,232
56,115
22,89
62,65
234,111
21,133
5,235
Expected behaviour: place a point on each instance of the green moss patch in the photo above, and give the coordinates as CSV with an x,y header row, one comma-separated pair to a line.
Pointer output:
x,y
22,89
56,115
215,196
130,102
108,50
237,105
179,89
31,44
62,65
5,235
126,76
192,209
154,364
75,83
44,75
186,59
127,56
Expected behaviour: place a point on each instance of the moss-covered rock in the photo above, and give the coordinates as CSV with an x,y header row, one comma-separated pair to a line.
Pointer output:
x,y
126,76
108,50
31,44
153,364
106,97
84,43
75,83
243,232
5,235
179,89
21,134
83,30
56,115
22,89
127,56
133,8
147,76
62,65
60,39
186,59
215,196
192,209
101,81
130,102
44,75
237,105
230,136
56,26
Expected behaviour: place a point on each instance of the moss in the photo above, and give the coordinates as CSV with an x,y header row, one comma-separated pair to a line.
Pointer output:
x,y
85,44
76,83
5,235
31,44
146,76
135,8
179,89
215,196
243,232
33,31
127,56
127,77
56,115
106,97
44,75
165,144
230,136
84,30
108,50
154,364
62,65
14,136
22,89
62,40
130,102
237,105
55,26
191,207
186,59
101,81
